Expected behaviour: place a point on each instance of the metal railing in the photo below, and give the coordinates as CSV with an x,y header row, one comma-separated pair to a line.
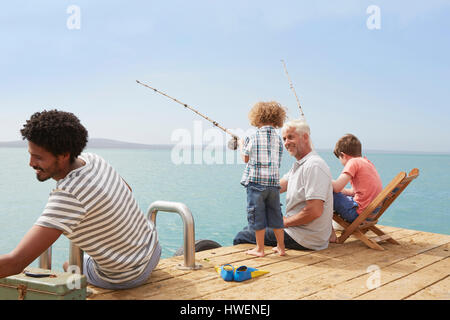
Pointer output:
x,y
75,258
188,228
76,254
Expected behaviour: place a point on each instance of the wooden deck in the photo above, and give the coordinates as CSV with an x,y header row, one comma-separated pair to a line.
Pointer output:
x,y
417,269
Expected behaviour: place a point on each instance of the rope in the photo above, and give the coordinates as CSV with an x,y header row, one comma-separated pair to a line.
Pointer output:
x,y
23,289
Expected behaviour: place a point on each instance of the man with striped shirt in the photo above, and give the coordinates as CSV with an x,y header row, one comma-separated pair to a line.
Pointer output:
x,y
91,205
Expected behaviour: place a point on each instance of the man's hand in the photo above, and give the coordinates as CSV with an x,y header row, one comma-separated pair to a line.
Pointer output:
x,y
32,245
283,185
312,210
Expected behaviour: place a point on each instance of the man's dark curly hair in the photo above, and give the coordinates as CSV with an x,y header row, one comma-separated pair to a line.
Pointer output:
x,y
56,131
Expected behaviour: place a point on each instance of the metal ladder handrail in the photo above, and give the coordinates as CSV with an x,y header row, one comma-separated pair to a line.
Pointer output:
x,y
76,254
188,228
75,258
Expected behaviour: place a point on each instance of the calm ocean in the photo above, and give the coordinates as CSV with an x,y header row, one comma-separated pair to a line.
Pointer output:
x,y
212,193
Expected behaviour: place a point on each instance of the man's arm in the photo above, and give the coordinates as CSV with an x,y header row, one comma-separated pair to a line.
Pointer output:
x,y
32,245
283,185
312,211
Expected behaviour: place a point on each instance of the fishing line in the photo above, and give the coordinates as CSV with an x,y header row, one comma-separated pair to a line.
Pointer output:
x,y
232,144
292,88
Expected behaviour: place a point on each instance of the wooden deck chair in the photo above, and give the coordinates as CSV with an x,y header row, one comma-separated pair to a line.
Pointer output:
x,y
373,212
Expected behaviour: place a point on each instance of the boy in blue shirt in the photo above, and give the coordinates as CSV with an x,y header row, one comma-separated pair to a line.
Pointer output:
x,y
262,152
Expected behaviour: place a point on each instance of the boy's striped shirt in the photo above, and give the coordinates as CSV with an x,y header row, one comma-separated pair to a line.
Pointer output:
x,y
95,209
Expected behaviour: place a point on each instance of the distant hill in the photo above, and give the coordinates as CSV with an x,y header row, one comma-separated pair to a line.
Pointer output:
x,y
97,143
13,144
115,144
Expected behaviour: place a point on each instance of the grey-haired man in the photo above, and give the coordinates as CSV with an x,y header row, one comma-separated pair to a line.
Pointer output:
x,y
309,195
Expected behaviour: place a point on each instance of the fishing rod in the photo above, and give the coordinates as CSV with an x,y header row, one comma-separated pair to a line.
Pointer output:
x,y
232,144
292,88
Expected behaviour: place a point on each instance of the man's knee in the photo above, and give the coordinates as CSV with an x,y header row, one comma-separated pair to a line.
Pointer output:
x,y
244,236
238,239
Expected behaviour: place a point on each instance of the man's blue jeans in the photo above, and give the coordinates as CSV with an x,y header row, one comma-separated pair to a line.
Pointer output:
x,y
248,236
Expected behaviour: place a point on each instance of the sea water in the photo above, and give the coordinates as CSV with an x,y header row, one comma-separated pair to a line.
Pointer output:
x,y
213,194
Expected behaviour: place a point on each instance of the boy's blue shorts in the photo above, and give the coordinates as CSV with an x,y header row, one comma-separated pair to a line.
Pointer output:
x,y
345,206
263,207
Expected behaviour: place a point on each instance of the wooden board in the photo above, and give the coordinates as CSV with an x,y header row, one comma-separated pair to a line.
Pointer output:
x,y
418,268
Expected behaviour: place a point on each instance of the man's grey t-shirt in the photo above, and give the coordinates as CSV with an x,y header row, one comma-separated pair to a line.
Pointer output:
x,y
310,178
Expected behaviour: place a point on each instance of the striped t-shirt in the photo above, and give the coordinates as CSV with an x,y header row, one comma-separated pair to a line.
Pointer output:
x,y
96,210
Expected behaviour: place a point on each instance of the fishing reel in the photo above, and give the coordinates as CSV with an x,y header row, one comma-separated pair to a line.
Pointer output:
x,y
233,143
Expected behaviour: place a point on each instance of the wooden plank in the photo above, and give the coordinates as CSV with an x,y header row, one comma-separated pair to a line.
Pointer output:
x,y
437,291
239,255
190,285
389,271
274,284
181,287
318,276
160,273
377,231
167,282
330,279
412,283
381,238
358,234
308,257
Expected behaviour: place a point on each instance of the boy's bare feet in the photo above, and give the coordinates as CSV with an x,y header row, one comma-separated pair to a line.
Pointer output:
x,y
256,252
279,235
280,251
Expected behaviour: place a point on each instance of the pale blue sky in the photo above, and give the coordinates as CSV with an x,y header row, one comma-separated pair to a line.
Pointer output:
x,y
390,87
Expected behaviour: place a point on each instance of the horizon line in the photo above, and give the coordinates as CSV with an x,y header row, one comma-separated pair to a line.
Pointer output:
x,y
118,144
